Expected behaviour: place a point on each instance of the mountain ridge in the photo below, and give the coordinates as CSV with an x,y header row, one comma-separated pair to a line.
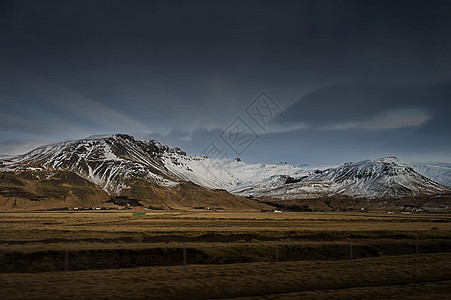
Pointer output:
x,y
124,166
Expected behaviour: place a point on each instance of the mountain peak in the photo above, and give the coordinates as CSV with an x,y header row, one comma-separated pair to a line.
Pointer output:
x,y
110,136
99,136
106,160
393,161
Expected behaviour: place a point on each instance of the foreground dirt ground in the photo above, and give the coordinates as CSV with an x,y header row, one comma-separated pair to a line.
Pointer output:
x,y
228,255
406,277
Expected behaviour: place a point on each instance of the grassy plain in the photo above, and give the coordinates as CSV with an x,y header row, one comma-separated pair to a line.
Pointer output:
x,y
206,254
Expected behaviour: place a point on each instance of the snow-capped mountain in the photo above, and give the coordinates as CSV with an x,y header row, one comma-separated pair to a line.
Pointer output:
x,y
119,163
385,178
89,171
232,175
108,161
439,172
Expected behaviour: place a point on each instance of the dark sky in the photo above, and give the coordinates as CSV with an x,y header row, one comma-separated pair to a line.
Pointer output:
x,y
354,79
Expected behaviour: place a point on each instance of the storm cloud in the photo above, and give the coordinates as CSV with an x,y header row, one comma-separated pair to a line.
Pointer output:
x,y
356,79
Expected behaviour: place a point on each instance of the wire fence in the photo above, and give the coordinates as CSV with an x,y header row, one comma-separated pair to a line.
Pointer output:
x,y
97,259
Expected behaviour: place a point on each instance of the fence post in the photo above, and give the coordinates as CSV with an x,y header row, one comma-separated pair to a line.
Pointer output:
x,y
417,251
66,260
350,250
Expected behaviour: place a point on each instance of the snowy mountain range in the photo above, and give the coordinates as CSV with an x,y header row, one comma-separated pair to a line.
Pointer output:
x,y
439,172
385,178
119,164
109,161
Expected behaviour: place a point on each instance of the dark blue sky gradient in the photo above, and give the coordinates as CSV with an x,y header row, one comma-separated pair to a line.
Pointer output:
x,y
356,79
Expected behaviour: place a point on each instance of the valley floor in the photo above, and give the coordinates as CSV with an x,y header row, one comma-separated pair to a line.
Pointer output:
x,y
205,255
406,277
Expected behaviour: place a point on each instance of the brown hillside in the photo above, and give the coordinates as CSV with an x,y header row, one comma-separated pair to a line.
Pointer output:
x,y
43,190
46,190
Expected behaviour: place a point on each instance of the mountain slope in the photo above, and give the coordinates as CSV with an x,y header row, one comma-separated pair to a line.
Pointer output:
x,y
386,178
123,166
47,190
232,175
439,172
107,161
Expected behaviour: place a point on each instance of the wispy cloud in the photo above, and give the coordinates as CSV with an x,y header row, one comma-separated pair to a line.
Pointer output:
x,y
396,119
393,119
281,128
63,108
16,124
15,147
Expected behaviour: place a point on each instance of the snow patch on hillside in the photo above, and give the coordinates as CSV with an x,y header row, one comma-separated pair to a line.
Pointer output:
x,y
439,172
113,161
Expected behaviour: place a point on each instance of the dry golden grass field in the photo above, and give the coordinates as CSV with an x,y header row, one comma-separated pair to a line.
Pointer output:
x,y
206,254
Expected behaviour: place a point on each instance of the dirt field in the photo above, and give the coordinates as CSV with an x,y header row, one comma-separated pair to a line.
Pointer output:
x,y
204,254
406,277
